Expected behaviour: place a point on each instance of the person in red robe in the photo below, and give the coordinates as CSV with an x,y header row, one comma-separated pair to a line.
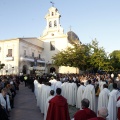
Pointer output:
x,y
85,113
118,105
58,107
102,114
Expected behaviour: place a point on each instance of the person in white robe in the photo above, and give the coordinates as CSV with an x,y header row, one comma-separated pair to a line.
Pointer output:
x,y
72,93
112,109
45,94
89,94
58,84
38,94
101,83
64,87
47,103
80,92
41,95
35,87
103,97
53,82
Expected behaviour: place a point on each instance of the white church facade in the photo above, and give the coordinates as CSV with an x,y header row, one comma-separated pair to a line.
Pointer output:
x,y
28,55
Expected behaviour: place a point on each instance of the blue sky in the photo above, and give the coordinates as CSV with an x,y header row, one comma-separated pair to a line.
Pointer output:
x,y
89,19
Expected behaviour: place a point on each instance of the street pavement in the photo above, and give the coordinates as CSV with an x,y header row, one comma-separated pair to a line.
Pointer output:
x,y
25,106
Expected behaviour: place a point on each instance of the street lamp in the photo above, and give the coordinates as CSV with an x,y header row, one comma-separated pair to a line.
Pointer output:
x,y
12,69
6,72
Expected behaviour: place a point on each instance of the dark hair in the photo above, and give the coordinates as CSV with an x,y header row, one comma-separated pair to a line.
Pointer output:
x,y
82,83
52,92
85,103
89,81
58,91
115,85
105,86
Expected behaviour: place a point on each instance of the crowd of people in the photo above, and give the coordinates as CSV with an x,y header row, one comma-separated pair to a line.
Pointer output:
x,y
96,96
81,91
8,87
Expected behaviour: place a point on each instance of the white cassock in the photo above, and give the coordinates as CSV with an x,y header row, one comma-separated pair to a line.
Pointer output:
x,y
64,89
80,92
58,85
68,91
46,106
72,94
103,98
45,94
41,96
112,109
35,87
89,94
37,90
53,82
38,94
101,83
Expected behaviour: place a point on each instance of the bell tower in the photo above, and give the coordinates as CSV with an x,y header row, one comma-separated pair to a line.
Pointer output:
x,y
53,21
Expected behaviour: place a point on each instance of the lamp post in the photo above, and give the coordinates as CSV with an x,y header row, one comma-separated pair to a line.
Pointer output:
x,y
12,70
6,72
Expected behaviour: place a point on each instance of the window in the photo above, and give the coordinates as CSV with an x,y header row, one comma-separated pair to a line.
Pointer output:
x,y
52,13
24,52
55,23
52,45
9,53
39,56
50,24
32,54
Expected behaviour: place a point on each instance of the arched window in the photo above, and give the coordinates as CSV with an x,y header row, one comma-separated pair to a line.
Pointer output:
x,y
52,13
55,23
50,24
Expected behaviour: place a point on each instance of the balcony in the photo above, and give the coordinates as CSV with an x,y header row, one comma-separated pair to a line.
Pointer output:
x,y
32,59
9,58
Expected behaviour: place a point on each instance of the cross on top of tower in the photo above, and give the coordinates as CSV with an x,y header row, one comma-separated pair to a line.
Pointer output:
x,y
70,27
52,3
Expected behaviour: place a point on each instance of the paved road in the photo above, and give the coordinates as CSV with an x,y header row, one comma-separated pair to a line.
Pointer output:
x,y
25,106
26,109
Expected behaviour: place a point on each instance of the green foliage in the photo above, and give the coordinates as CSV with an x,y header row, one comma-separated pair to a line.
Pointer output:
x,y
85,57
115,59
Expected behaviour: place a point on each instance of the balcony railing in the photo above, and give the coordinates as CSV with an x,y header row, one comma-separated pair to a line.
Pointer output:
x,y
9,58
32,59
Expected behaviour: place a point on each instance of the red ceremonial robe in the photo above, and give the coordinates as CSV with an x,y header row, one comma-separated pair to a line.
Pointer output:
x,y
118,114
97,118
58,109
84,114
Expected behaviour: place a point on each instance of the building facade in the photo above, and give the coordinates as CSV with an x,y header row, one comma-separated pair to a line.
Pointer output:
x,y
28,55
21,55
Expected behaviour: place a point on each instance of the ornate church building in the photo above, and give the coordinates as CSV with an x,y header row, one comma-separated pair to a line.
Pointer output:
x,y
34,55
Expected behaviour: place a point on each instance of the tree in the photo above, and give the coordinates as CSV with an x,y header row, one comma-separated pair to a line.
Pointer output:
x,y
98,56
115,59
76,56
85,57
